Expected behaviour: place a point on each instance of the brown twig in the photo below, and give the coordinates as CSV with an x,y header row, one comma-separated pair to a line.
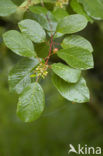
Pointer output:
x,y
50,50
51,43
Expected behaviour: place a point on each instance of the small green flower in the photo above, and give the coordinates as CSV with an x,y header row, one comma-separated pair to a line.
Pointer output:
x,y
40,71
61,3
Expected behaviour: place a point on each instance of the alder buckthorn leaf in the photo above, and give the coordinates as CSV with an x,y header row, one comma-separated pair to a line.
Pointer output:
x,y
67,73
19,43
33,30
93,8
7,7
77,41
78,8
71,24
76,92
31,103
19,76
78,58
43,21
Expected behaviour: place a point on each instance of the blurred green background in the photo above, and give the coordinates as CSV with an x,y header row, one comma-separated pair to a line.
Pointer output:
x,y
62,122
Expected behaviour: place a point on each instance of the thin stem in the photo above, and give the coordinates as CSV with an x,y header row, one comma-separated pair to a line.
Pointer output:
x,y
51,44
42,3
50,50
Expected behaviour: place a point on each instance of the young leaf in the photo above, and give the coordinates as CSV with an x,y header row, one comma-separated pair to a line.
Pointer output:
x,y
19,43
7,7
77,57
19,76
71,24
31,103
78,8
32,30
77,41
65,72
93,8
77,92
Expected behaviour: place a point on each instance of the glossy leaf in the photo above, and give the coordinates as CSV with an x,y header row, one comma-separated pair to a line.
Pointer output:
x,y
7,7
59,13
19,43
65,72
77,57
31,103
19,76
71,24
47,21
32,30
93,8
77,92
77,41
78,8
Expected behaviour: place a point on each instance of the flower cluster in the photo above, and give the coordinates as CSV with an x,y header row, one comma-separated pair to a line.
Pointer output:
x,y
41,71
61,3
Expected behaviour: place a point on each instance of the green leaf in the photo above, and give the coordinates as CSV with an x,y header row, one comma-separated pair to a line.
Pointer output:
x,y
71,24
65,72
47,21
77,57
57,35
60,13
38,10
31,103
78,8
32,30
77,41
93,8
7,7
19,76
77,92
19,43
